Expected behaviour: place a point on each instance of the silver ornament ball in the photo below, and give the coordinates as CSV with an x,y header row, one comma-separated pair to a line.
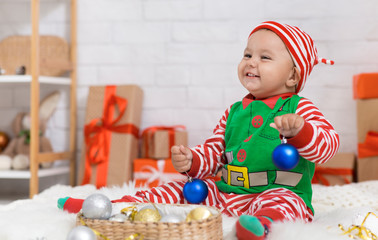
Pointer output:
x,y
97,206
81,233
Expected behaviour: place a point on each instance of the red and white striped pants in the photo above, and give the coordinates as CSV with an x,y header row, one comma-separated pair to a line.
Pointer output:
x,y
282,200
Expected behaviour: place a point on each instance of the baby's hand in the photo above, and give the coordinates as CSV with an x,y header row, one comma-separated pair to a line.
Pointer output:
x,y
181,158
288,125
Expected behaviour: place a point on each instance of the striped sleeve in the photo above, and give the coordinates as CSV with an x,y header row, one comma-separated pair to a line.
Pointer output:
x,y
208,157
323,143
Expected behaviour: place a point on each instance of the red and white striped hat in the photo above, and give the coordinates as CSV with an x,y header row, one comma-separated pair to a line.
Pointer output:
x,y
300,45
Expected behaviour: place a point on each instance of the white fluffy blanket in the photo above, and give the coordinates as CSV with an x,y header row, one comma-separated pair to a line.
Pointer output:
x,y
40,219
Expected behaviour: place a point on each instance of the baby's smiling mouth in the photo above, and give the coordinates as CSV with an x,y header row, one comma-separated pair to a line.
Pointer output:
x,y
252,75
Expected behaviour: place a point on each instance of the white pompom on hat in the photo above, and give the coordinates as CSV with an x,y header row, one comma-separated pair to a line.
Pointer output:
x,y
301,48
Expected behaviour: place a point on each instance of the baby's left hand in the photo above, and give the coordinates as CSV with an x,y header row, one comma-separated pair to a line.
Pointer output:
x,y
288,125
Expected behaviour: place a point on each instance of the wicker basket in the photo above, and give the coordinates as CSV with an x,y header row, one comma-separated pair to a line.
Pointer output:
x,y
54,55
207,229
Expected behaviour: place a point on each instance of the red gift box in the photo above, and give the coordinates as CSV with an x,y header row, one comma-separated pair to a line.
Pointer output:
x,y
152,173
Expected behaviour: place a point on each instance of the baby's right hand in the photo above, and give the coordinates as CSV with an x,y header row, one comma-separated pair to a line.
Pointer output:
x,y
182,158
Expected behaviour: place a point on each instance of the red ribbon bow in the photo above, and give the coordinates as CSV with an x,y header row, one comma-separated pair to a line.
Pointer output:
x,y
97,135
321,171
370,147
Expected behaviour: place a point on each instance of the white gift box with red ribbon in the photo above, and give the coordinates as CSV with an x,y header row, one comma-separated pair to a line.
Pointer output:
x,y
152,173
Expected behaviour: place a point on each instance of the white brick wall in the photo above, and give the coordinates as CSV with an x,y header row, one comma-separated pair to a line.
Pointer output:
x,y
184,54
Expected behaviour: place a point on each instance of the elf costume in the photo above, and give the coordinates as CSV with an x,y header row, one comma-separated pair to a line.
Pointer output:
x,y
262,204
249,140
241,147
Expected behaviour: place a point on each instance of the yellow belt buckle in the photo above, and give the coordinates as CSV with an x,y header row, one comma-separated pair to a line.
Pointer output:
x,y
242,170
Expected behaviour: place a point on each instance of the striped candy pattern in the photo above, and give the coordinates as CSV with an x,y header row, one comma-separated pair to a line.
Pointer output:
x,y
283,200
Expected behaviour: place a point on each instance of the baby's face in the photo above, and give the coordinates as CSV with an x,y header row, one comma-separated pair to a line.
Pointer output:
x,y
266,68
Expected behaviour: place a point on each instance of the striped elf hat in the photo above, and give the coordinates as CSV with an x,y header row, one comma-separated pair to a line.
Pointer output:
x,y
300,45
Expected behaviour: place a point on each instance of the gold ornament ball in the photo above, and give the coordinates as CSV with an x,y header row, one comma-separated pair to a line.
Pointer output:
x,y
199,213
147,215
4,140
152,206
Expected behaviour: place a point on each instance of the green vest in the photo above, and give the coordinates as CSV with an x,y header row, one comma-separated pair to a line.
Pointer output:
x,y
250,142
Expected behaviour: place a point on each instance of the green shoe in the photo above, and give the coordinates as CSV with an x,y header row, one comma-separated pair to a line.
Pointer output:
x,y
252,228
61,202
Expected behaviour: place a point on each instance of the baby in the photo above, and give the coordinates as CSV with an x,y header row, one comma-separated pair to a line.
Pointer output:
x,y
276,62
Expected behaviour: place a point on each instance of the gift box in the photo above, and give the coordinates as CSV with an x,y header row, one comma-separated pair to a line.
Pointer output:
x,y
367,115
158,140
337,171
365,85
367,132
111,134
369,148
152,173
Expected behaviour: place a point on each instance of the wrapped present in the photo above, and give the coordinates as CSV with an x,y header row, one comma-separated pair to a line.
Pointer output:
x,y
367,131
367,115
337,171
111,134
158,140
367,163
367,169
152,172
365,85
369,148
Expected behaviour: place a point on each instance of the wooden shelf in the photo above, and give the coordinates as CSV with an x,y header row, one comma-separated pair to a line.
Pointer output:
x,y
13,79
34,80
25,174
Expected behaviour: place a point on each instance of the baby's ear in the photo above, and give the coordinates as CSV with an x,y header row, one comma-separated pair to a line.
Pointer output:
x,y
294,78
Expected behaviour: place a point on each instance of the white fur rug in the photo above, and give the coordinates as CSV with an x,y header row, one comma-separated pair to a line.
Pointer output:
x,y
40,219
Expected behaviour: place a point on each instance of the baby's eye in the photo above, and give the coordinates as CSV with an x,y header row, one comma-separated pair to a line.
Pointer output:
x,y
265,57
247,55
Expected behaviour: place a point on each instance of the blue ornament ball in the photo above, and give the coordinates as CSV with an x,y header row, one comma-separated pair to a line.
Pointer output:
x,y
195,191
285,156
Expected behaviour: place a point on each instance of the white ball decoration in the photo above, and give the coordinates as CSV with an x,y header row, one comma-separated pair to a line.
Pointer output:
x,y
81,233
97,206
172,218
120,217
5,162
20,162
